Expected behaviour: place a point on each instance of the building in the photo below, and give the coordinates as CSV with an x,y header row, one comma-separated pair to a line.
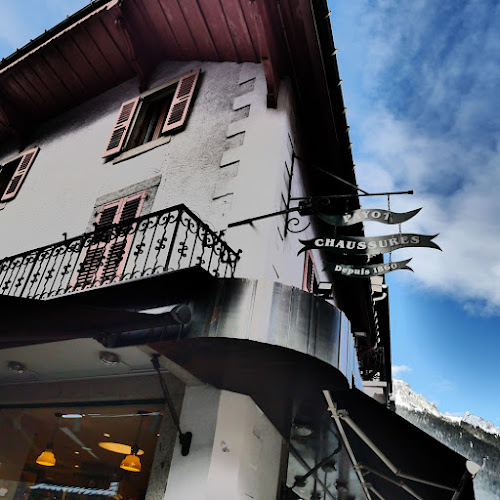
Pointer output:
x,y
139,138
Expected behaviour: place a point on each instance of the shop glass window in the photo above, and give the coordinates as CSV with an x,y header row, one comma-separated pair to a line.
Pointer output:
x,y
84,467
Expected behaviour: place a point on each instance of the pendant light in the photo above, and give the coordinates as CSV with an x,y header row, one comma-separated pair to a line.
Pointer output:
x,y
132,462
47,457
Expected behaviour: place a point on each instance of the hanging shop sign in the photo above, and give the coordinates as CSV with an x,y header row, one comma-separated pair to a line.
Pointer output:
x,y
368,214
367,270
373,245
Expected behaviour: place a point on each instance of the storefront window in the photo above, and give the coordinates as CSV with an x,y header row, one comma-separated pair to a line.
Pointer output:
x,y
88,446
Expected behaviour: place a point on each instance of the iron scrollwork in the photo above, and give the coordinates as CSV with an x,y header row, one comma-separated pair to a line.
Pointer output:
x,y
164,241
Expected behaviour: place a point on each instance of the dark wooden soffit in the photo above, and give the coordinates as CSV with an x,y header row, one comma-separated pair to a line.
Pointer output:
x,y
108,42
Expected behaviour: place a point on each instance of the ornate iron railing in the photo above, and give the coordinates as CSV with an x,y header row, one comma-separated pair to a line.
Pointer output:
x,y
157,243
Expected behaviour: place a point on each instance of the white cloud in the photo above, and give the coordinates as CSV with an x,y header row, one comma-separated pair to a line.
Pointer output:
x,y
399,369
432,126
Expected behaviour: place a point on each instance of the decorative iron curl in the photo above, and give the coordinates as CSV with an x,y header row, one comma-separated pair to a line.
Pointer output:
x,y
139,249
161,243
295,221
190,224
166,219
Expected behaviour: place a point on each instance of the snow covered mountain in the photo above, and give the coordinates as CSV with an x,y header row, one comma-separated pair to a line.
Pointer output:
x,y
469,435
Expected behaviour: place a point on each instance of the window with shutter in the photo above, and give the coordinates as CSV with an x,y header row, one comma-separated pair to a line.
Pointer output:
x,y
14,172
105,258
146,118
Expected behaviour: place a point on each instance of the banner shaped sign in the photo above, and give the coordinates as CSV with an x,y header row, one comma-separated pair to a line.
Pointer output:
x,y
367,270
374,245
368,214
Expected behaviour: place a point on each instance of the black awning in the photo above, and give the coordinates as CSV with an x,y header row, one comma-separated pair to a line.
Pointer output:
x,y
29,321
395,458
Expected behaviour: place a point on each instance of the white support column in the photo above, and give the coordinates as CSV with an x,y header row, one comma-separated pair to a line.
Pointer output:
x,y
235,453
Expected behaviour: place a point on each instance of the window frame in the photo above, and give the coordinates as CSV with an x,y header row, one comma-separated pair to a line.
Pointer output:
x,y
25,161
123,151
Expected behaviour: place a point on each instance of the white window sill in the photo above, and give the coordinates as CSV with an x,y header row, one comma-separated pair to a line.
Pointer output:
x,y
142,149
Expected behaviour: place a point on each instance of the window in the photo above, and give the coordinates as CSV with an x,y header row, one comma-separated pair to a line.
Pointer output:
x,y
13,173
87,455
105,257
145,118
309,280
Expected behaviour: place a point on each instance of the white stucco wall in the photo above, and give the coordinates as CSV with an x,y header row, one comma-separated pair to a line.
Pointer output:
x,y
228,164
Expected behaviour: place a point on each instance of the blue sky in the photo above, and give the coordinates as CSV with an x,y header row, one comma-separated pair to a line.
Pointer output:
x,y
420,82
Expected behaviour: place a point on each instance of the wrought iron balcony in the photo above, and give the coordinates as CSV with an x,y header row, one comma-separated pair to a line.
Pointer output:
x,y
157,243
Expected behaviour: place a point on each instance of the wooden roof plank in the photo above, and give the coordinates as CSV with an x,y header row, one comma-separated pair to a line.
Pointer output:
x,y
216,20
168,42
17,94
143,30
32,77
109,50
180,29
81,64
86,44
238,27
65,67
108,23
50,70
246,10
198,24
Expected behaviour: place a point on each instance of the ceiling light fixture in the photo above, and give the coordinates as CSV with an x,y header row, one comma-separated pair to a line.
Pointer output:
x,y
109,358
122,449
47,457
132,462
16,367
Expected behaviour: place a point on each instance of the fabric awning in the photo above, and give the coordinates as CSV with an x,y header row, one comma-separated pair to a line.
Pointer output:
x,y
394,458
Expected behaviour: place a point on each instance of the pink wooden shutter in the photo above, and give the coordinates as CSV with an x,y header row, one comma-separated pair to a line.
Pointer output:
x,y
104,260
120,128
94,256
19,175
184,92
118,249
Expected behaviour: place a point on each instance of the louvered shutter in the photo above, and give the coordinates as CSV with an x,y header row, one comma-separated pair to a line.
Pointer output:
x,y
120,128
181,102
107,215
119,247
94,257
104,260
20,174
